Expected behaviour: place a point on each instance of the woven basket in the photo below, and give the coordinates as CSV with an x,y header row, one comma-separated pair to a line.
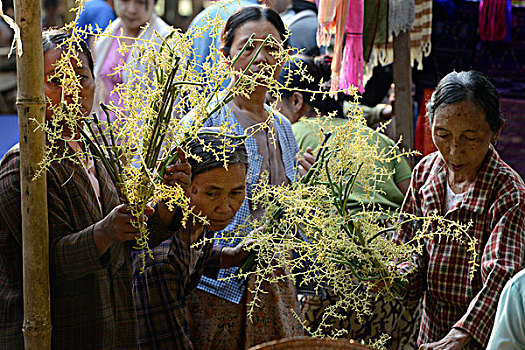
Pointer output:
x,y
306,343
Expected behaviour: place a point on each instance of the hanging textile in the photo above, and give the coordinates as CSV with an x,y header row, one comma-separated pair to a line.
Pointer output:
x,y
332,20
392,17
400,16
353,64
494,21
423,136
375,30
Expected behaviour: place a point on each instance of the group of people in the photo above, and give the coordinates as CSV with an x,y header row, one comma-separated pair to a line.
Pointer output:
x,y
183,299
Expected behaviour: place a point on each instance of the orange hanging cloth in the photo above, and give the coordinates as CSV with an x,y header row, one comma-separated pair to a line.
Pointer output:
x,y
332,20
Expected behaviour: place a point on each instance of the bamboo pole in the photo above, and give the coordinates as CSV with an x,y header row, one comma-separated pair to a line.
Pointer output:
x,y
403,110
35,237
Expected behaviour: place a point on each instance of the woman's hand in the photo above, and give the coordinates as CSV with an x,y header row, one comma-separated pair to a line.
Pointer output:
x,y
179,173
235,256
118,226
455,339
176,174
306,161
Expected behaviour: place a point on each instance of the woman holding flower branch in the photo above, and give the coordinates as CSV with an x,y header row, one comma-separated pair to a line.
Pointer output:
x,y
92,305
256,36
162,285
466,181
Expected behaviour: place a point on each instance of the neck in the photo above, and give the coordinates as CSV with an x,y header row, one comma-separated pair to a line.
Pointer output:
x,y
252,106
310,113
131,33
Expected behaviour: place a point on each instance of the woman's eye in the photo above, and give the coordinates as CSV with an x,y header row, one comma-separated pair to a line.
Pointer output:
x,y
272,48
212,194
54,80
83,78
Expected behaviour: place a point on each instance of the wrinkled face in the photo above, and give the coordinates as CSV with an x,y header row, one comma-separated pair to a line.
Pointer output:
x,y
462,135
134,13
218,194
53,85
266,57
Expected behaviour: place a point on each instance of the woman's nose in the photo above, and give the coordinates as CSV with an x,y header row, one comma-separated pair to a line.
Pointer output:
x,y
224,207
132,6
456,147
262,56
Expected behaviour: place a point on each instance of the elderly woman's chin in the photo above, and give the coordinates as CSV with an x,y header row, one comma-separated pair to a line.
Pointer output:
x,y
218,225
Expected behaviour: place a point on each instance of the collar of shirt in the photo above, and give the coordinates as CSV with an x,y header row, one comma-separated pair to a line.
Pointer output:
x,y
475,199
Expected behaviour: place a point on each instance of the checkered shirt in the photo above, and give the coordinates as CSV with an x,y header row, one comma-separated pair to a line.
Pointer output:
x,y
495,204
160,293
91,302
233,289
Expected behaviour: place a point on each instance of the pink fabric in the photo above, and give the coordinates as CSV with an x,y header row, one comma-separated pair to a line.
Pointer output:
x,y
493,20
353,64
111,80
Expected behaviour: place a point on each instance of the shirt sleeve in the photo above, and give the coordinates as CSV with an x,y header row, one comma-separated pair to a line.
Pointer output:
x,y
158,232
159,302
508,332
212,265
502,258
402,170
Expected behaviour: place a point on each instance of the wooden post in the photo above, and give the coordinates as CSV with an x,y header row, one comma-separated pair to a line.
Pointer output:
x,y
403,107
35,237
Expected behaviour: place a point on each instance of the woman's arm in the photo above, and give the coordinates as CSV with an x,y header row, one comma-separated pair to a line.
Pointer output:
x,y
159,301
502,257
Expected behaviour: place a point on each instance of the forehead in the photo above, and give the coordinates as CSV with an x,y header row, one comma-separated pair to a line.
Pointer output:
x,y
261,28
220,177
53,55
464,114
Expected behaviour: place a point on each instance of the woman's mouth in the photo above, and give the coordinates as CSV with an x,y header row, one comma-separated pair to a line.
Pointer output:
x,y
219,222
456,167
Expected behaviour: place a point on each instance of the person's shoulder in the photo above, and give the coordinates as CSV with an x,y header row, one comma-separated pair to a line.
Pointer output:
x,y
13,153
428,167
10,165
222,10
96,5
503,179
429,161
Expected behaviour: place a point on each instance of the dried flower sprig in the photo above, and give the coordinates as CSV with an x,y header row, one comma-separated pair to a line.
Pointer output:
x,y
341,246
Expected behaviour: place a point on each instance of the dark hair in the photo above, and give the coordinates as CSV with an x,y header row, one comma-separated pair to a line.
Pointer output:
x,y
54,37
248,14
470,86
208,151
293,77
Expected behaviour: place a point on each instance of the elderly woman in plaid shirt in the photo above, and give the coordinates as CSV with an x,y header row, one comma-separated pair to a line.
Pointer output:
x,y
466,181
91,302
160,290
